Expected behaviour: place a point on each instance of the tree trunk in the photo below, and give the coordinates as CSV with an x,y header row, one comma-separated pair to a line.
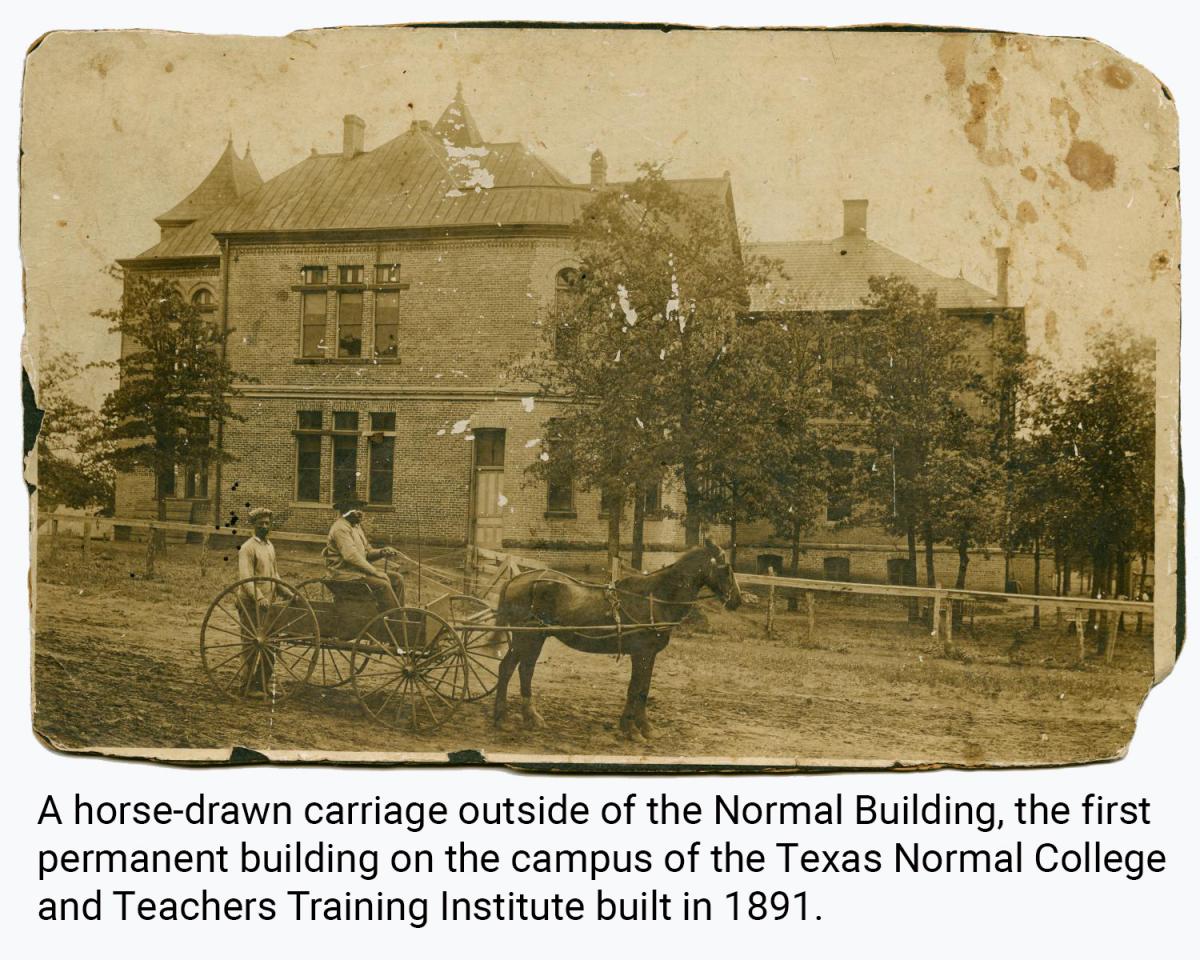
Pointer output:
x,y
639,528
960,582
691,489
614,533
1037,580
930,576
1066,577
733,529
910,575
795,565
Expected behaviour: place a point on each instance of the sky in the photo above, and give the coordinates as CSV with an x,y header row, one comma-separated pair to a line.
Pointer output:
x,y
1057,148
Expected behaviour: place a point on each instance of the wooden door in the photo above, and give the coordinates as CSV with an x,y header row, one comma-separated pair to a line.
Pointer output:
x,y
489,489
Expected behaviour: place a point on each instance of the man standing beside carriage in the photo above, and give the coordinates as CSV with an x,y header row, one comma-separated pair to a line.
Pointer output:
x,y
256,561
349,557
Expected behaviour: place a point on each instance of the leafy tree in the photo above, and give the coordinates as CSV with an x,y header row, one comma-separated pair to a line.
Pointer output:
x,y
174,384
662,287
909,397
71,470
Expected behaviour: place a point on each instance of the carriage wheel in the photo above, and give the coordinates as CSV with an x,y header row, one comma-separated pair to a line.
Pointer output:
x,y
484,646
409,669
333,666
261,652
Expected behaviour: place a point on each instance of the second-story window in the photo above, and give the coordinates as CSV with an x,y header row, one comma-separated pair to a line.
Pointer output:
x,y
566,302
350,275
204,301
350,314
387,273
387,323
312,276
312,332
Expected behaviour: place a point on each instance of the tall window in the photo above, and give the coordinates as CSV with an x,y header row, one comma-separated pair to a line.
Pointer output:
x,y
350,312
838,499
308,456
312,335
566,298
489,447
345,456
560,480
652,499
195,474
387,323
382,450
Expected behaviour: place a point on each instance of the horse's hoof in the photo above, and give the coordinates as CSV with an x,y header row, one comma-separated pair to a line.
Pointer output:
x,y
498,721
535,721
645,730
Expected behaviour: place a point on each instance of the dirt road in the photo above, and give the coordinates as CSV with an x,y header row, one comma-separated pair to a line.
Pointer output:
x,y
117,665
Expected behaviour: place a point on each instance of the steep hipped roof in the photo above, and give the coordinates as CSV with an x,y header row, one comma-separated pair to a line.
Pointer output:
x,y
230,178
420,179
456,125
832,275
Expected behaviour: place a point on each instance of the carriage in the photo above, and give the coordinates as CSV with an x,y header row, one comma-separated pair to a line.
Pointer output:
x,y
410,667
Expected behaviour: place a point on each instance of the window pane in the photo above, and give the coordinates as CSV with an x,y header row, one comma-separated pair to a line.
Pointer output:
x,y
489,448
382,450
653,501
560,495
345,420
387,273
308,468
383,422
387,323
345,467
314,325
350,274
312,275
349,324
310,419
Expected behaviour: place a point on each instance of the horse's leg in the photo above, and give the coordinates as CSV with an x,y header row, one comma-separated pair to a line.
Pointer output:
x,y
529,659
507,666
639,716
637,669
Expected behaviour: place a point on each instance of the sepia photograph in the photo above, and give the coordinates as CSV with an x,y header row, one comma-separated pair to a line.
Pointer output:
x,y
565,397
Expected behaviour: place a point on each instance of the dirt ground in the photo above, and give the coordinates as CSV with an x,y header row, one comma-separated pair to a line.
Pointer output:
x,y
117,665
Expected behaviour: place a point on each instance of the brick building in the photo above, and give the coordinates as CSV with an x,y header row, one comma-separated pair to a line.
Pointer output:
x,y
380,302
828,279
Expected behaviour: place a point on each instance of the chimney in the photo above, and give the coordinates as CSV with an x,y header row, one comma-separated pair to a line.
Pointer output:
x,y
1002,275
854,218
353,132
599,169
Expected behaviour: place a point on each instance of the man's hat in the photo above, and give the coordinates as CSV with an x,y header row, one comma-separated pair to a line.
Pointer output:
x,y
350,503
259,512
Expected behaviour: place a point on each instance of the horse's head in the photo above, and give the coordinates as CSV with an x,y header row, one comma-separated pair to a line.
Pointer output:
x,y
719,578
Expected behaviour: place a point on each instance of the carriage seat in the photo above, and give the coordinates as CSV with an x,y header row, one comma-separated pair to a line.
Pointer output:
x,y
348,589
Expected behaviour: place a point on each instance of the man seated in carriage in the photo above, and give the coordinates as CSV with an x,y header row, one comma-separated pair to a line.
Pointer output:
x,y
350,557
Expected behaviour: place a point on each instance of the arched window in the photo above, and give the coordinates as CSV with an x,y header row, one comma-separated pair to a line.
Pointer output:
x,y
566,298
204,301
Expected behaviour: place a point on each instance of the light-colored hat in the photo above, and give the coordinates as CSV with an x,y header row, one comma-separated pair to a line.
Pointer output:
x,y
259,512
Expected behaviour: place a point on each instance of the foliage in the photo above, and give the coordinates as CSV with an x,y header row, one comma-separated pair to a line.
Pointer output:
x,y
72,470
636,348
174,383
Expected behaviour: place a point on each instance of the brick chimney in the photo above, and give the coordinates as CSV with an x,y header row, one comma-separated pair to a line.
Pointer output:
x,y
1002,275
854,218
599,169
353,132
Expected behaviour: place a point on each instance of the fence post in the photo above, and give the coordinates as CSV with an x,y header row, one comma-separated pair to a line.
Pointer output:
x,y
151,549
948,613
770,606
87,540
810,603
1080,627
204,555
937,616
1110,646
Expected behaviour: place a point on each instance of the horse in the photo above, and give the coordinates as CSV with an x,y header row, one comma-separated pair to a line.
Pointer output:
x,y
557,602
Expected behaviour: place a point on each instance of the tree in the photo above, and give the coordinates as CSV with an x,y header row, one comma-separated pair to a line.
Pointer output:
x,y
908,396
1091,437
661,289
174,384
71,470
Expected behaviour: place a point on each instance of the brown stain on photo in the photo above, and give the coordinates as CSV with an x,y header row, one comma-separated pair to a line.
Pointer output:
x,y
1026,213
1090,163
1118,76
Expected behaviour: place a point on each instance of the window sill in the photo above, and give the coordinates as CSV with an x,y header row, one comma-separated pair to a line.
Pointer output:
x,y
315,505
561,515
350,361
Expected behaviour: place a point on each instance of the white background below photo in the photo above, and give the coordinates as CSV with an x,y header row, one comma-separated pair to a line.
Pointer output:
x,y
984,915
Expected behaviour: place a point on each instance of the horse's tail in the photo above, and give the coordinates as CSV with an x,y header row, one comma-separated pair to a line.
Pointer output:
x,y
515,605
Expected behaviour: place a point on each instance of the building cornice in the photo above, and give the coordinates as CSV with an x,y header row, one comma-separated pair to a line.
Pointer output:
x,y
376,234
258,391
